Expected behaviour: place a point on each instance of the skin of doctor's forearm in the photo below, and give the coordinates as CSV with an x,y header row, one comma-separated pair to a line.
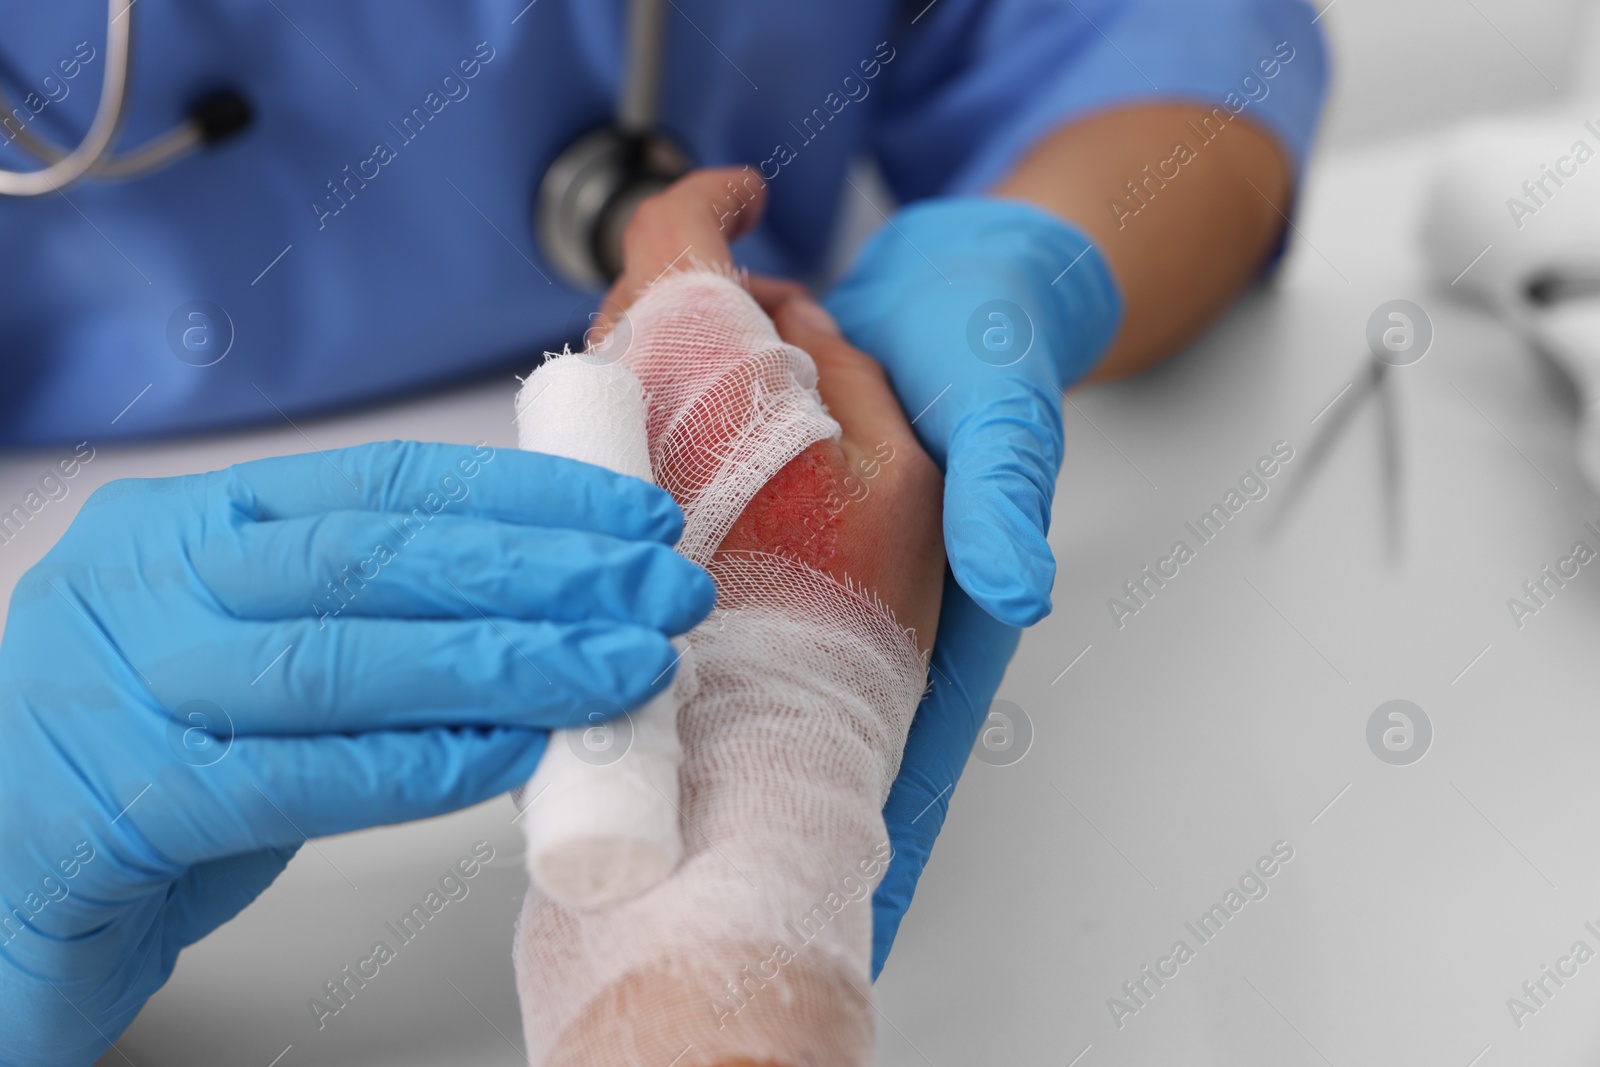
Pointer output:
x,y
1198,239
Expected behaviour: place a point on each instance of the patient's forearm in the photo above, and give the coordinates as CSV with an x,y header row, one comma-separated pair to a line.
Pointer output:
x,y
1201,232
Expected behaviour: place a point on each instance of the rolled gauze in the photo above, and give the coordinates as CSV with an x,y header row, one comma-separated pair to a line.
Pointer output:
x,y
601,811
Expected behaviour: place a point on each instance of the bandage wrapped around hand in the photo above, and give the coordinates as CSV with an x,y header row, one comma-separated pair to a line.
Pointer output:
x,y
757,948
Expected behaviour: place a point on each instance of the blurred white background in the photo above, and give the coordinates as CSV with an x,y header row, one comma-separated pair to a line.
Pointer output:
x,y
1409,65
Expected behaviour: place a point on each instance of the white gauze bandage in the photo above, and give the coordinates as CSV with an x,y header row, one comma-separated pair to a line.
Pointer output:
x,y
600,827
758,946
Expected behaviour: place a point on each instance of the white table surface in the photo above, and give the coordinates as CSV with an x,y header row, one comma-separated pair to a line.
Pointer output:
x,y
1225,717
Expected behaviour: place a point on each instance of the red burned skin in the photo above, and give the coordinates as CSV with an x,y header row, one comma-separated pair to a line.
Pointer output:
x,y
797,513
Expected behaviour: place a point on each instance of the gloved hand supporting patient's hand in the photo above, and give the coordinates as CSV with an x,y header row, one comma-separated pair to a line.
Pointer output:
x,y
982,311
984,396
207,669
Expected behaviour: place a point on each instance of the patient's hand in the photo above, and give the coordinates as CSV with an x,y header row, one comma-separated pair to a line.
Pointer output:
x,y
864,508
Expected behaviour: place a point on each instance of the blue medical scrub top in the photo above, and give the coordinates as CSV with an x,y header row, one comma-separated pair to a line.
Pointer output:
x,y
370,235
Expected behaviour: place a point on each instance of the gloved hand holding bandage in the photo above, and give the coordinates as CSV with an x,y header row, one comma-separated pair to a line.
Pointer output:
x,y
185,697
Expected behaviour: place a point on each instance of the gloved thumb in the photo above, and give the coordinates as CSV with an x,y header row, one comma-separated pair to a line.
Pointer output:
x,y
1004,457
211,893
969,659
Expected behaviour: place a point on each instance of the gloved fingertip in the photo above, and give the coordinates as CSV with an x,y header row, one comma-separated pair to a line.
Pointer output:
x,y
1008,573
881,944
526,749
1011,606
889,906
664,515
702,598
661,589
678,597
625,665
483,763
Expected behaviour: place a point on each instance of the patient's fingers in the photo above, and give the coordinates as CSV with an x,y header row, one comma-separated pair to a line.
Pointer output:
x,y
694,220
771,293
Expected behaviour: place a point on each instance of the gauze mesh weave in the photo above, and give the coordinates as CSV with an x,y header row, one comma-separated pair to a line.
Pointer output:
x,y
730,403
758,947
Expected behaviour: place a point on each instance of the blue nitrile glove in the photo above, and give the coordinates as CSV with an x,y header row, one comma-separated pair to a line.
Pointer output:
x,y
982,311
184,696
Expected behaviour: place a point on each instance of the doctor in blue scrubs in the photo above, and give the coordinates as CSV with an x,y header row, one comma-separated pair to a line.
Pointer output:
x,y
1085,187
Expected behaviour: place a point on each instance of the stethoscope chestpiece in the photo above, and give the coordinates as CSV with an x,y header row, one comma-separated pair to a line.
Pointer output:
x,y
591,190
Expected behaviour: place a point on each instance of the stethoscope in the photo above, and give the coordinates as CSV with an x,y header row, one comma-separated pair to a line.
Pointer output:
x,y
588,194
580,210
213,118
